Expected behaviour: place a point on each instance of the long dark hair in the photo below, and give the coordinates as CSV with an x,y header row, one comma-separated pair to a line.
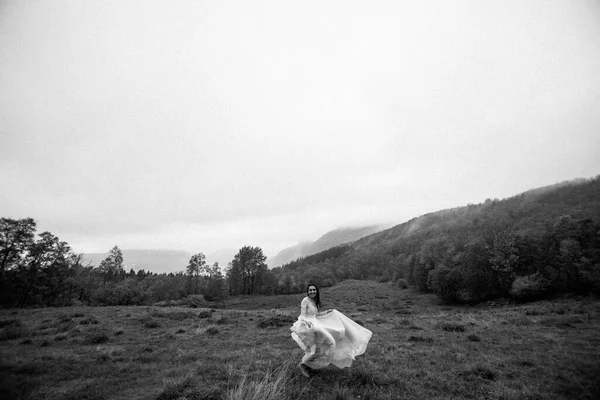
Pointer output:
x,y
317,297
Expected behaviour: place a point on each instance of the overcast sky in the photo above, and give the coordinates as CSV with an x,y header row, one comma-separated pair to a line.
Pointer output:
x,y
202,125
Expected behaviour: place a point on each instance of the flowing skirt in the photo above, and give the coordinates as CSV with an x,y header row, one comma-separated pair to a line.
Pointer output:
x,y
330,339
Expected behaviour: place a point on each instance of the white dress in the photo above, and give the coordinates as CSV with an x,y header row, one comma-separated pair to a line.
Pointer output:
x,y
327,339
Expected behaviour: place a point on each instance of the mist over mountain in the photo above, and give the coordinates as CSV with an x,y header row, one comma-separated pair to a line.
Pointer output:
x,y
330,239
157,261
289,253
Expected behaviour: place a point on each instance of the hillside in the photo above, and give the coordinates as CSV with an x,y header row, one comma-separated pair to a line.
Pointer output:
x,y
543,241
157,261
330,239
525,213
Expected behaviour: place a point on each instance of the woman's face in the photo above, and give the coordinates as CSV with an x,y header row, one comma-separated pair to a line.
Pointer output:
x,y
312,292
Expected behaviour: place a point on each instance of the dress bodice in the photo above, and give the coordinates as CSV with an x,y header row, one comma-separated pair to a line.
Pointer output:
x,y
309,307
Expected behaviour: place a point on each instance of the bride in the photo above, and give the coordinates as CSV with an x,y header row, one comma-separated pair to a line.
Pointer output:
x,y
327,337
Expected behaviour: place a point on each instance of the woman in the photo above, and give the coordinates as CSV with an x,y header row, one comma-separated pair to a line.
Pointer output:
x,y
327,337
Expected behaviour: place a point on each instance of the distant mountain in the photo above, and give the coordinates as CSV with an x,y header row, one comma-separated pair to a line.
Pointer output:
x,y
342,236
330,239
288,254
157,261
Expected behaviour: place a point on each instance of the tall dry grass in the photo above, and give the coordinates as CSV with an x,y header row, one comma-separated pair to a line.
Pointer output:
x,y
275,384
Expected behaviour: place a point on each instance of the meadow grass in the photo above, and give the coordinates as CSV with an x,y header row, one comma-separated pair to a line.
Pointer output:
x,y
243,350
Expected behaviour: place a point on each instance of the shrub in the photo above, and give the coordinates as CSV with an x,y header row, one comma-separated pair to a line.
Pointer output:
x,y
211,330
177,388
196,301
529,287
204,314
216,291
402,283
385,277
445,282
361,376
327,282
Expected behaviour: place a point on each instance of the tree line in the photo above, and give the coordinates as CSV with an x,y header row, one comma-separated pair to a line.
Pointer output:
x,y
528,246
41,270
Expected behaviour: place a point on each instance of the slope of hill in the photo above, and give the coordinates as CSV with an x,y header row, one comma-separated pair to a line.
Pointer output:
x,y
330,239
525,213
157,261
542,241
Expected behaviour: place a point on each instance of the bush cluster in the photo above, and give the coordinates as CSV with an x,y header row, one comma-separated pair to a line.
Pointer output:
x,y
530,287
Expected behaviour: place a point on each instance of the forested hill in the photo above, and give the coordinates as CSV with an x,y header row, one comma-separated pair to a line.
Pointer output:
x,y
543,240
528,213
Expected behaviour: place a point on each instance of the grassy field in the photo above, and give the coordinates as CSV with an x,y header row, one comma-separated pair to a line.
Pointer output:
x,y
243,350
